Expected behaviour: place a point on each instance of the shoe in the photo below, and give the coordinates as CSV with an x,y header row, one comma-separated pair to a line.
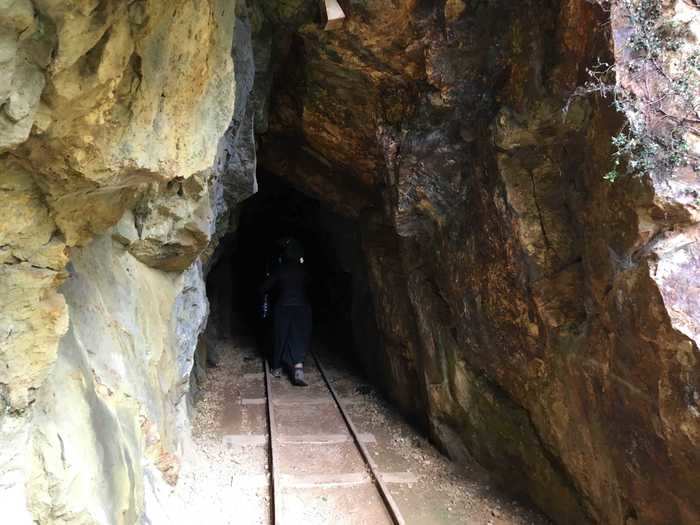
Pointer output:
x,y
276,372
298,377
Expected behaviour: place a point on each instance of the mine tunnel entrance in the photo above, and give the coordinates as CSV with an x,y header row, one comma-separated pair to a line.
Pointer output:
x,y
294,446
338,288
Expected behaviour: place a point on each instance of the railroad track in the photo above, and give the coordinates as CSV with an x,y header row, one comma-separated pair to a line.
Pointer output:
x,y
275,454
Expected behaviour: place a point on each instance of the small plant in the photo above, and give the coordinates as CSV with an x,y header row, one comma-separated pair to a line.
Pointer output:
x,y
656,85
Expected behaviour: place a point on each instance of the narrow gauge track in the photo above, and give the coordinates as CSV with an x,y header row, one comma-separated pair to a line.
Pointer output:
x,y
274,451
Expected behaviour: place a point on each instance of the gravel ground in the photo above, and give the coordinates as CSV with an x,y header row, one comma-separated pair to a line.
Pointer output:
x,y
446,492
229,485
221,485
455,493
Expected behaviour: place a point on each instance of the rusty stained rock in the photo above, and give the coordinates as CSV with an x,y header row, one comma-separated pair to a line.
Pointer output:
x,y
532,310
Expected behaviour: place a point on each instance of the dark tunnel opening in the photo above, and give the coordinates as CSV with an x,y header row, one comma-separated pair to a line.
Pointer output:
x,y
238,398
341,301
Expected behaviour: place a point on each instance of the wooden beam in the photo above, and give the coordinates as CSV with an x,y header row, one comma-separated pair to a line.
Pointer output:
x,y
333,14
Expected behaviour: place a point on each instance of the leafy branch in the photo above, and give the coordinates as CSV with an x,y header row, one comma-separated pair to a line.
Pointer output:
x,y
655,83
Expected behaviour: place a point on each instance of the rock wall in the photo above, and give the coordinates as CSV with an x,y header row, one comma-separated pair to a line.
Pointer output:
x,y
542,319
111,416
531,314
115,121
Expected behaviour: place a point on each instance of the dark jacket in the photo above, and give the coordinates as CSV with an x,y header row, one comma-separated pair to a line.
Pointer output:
x,y
291,281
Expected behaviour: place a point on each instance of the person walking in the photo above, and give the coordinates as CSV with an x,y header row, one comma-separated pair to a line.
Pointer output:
x,y
291,313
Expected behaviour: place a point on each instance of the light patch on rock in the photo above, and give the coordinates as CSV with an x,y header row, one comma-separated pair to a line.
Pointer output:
x,y
123,369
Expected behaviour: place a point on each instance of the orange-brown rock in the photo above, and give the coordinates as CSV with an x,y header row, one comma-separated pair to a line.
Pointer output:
x,y
532,314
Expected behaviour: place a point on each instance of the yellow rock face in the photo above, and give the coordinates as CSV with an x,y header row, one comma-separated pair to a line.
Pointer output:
x,y
108,414
131,95
33,315
101,105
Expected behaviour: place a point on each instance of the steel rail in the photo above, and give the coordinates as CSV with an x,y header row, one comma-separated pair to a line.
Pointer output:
x,y
394,511
272,447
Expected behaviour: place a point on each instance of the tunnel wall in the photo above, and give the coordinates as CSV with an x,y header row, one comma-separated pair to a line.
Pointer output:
x,y
113,412
540,316
125,141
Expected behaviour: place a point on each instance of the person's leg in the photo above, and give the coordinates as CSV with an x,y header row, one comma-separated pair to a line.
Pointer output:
x,y
282,325
298,336
301,340
303,323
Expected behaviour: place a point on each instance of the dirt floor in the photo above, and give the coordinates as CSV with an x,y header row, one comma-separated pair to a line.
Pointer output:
x,y
224,478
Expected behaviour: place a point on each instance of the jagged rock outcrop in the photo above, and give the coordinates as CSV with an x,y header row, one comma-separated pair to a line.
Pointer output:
x,y
129,99
113,407
112,115
535,315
